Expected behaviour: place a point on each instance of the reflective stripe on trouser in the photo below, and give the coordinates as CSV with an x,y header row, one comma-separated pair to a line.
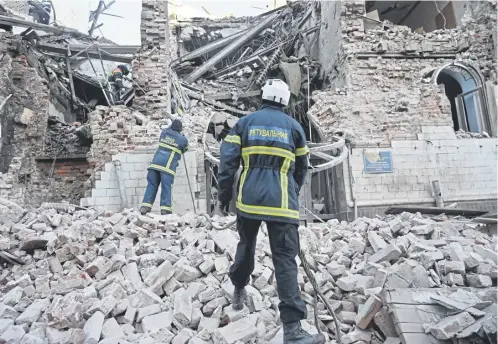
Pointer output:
x,y
154,178
284,243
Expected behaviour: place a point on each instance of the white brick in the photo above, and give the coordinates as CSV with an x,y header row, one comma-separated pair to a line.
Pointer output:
x,y
131,183
126,167
102,201
115,200
99,192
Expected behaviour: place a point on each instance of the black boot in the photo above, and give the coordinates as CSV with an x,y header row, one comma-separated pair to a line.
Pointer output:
x,y
144,210
294,334
166,212
239,295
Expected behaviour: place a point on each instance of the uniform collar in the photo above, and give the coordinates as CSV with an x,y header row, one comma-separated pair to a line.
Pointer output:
x,y
274,107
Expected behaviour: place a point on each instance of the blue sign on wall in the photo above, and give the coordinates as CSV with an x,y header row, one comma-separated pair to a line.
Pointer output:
x,y
378,162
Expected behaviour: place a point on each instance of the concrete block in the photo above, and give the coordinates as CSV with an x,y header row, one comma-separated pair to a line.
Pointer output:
x,y
389,253
158,321
450,326
367,311
13,335
479,281
242,330
93,328
385,323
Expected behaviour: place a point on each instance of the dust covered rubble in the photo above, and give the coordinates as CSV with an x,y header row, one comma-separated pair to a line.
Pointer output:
x,y
91,276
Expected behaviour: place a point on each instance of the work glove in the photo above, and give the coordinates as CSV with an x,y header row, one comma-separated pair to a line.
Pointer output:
x,y
220,209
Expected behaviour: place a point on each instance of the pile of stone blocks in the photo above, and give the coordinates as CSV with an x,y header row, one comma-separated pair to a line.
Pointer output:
x,y
93,276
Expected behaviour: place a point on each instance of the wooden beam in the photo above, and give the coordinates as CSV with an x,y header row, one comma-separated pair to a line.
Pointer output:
x,y
60,49
196,74
59,30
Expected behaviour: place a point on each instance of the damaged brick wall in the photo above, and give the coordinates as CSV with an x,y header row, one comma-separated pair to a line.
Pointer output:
x,y
24,128
386,95
150,68
389,101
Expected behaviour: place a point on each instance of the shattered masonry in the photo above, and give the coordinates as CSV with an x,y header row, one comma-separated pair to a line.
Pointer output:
x,y
92,276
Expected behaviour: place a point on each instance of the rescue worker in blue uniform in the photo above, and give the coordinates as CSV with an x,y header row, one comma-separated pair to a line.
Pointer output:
x,y
116,77
172,145
274,154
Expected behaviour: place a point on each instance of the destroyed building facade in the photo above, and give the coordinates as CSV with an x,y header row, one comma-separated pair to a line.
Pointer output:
x,y
391,111
416,107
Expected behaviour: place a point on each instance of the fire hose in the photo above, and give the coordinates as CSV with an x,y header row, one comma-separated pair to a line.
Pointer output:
x,y
311,277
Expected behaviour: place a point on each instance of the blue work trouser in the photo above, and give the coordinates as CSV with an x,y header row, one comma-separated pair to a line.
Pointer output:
x,y
284,244
154,178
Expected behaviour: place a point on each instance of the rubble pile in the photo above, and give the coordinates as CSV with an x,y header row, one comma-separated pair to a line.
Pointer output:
x,y
91,276
63,140
281,44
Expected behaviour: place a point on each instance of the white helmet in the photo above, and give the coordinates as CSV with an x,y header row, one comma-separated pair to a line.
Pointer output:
x,y
277,91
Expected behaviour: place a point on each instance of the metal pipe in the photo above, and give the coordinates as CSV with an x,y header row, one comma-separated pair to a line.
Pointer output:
x,y
351,188
189,186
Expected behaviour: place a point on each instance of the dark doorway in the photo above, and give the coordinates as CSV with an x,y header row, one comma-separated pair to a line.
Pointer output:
x,y
452,89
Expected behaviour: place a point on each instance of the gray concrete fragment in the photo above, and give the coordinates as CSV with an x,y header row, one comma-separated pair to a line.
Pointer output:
x,y
335,269
130,314
13,296
186,273
486,253
33,312
384,322
160,275
357,335
388,253
158,321
392,340
367,311
182,311
207,266
93,328
454,266
479,281
111,329
376,241
347,317
450,326
242,330
13,335
146,311
8,312
183,336
5,324
144,298
31,339
130,272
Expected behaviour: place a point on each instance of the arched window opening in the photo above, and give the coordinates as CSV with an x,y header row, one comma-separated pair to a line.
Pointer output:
x,y
466,95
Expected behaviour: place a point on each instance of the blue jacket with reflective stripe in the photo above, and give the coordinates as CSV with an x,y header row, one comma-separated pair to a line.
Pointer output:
x,y
172,145
272,147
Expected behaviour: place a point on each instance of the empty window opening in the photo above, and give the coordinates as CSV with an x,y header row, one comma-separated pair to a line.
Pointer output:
x,y
466,98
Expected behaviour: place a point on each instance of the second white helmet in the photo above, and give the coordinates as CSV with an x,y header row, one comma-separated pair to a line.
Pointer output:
x,y
277,91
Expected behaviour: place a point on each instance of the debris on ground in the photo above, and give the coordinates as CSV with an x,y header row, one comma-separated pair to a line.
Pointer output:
x,y
92,276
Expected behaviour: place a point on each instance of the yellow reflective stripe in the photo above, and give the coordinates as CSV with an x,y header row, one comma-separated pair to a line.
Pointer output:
x,y
171,156
174,149
146,205
163,207
186,148
302,151
162,168
269,151
246,159
284,183
269,211
232,139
